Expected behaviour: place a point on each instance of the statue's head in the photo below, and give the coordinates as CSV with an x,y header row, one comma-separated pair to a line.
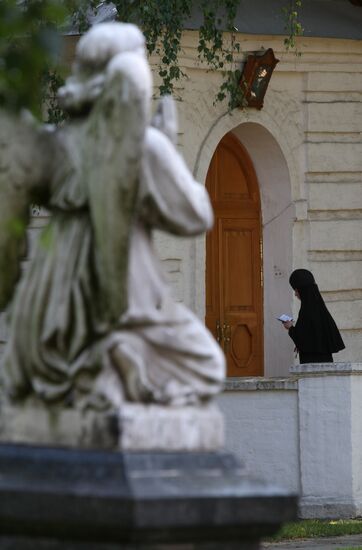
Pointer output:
x,y
102,42
94,52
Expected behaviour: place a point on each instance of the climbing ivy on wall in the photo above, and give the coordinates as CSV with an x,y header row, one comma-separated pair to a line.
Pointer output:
x,y
162,21
292,24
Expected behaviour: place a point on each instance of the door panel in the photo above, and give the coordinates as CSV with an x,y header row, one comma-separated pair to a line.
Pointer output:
x,y
233,260
236,253
239,252
235,186
212,282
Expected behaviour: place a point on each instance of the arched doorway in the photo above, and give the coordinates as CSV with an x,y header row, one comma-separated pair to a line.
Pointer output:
x,y
234,276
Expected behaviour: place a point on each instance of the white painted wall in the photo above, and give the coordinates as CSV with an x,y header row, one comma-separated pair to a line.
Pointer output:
x,y
325,442
261,429
329,402
302,433
356,435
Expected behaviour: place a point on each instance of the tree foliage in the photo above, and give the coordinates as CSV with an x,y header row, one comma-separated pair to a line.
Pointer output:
x,y
29,42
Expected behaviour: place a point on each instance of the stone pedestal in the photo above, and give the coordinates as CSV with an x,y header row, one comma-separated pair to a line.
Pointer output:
x,y
57,499
160,482
134,427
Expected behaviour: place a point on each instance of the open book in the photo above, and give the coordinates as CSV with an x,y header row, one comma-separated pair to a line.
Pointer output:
x,y
283,318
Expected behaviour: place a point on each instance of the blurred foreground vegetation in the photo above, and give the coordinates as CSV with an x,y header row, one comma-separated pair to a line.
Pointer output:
x,y
30,43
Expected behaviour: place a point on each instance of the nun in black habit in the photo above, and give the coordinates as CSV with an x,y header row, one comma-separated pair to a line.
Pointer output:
x,y
315,333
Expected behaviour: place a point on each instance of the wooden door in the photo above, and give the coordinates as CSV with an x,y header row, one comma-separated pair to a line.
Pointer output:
x,y
234,305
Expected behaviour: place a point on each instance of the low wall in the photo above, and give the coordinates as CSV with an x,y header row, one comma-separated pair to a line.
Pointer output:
x,y
261,428
303,433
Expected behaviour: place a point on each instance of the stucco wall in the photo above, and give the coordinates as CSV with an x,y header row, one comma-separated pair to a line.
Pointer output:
x,y
302,433
329,410
312,118
261,429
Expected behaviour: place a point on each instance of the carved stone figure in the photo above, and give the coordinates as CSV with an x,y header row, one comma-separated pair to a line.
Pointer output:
x,y
91,319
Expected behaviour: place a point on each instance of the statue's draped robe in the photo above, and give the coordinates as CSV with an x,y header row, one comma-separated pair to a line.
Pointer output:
x,y
164,352
93,297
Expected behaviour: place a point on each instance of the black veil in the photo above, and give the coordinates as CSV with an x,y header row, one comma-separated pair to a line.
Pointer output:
x,y
315,330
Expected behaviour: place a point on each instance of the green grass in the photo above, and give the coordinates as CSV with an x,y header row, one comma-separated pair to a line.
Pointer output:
x,y
310,528
350,548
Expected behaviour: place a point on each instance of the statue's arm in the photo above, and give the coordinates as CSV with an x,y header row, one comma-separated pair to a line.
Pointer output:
x,y
171,199
21,178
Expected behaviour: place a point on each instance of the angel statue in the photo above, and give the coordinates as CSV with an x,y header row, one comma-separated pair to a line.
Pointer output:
x,y
91,317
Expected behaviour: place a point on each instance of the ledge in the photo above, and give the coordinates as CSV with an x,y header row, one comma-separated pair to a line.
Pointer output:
x,y
325,369
260,384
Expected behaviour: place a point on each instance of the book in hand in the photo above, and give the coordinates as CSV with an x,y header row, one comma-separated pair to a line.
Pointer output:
x,y
284,318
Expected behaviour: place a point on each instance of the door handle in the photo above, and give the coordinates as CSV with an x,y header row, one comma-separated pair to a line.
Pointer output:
x,y
218,332
226,331
223,335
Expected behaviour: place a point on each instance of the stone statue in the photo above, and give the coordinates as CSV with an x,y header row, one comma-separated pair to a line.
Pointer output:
x,y
91,319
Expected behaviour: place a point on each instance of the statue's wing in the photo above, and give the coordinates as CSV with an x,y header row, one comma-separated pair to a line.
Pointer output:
x,y
116,135
20,173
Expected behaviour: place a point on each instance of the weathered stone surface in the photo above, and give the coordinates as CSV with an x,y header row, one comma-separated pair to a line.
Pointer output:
x,y
258,383
339,275
56,426
170,429
134,428
334,117
326,368
335,235
336,157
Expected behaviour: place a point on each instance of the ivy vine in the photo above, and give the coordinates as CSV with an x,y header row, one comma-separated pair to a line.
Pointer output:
x,y
162,21
292,24
51,82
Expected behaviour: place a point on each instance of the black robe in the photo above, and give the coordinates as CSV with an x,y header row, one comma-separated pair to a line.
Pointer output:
x,y
315,334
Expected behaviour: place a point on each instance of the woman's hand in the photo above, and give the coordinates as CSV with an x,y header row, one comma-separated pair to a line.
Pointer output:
x,y
288,324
